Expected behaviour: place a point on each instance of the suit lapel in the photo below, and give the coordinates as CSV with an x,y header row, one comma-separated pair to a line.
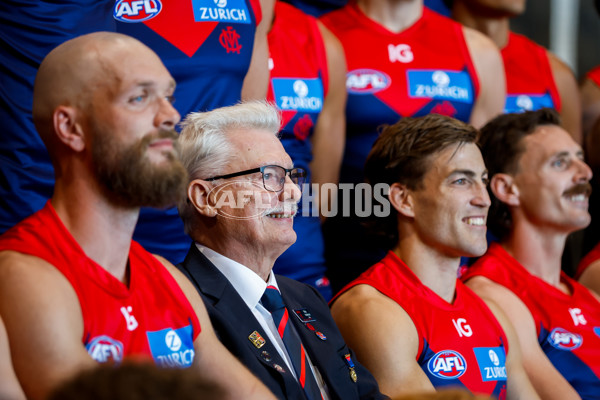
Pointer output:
x,y
217,290
318,349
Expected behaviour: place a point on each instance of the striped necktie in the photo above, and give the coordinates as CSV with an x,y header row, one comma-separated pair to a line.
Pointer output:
x,y
273,302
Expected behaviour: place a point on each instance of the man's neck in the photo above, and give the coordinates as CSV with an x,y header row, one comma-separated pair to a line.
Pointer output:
x,y
538,250
395,15
102,229
497,29
435,270
250,257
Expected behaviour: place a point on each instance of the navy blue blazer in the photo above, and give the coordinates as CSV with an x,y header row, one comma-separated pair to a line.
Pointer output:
x,y
234,323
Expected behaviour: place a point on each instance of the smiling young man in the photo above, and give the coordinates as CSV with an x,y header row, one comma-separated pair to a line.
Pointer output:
x,y
409,319
242,197
540,186
75,289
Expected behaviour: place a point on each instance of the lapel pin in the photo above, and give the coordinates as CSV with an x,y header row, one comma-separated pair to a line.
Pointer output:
x,y
319,334
278,368
266,356
256,339
304,315
351,367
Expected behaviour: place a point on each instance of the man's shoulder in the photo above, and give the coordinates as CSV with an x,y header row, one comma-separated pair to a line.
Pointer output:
x,y
300,290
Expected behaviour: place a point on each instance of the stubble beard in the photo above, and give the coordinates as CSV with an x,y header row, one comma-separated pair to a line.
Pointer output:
x,y
132,180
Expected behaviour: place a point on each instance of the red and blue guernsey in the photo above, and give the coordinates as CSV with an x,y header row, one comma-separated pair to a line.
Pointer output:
x,y
590,258
30,29
530,83
460,344
150,318
207,46
568,325
594,75
426,68
298,85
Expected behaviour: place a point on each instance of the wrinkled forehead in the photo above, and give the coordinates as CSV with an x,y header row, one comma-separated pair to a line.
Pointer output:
x,y
545,142
257,147
457,155
131,64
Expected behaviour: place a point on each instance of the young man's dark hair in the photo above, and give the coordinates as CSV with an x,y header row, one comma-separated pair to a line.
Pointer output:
x,y
501,146
402,153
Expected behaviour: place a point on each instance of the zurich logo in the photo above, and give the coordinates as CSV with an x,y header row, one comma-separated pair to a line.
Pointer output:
x,y
300,88
365,81
172,340
132,11
447,364
221,3
562,339
524,102
440,78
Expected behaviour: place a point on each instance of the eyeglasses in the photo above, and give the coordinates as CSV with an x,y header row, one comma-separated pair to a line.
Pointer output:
x,y
273,176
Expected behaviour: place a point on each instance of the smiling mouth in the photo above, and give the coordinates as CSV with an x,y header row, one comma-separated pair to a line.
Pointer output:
x,y
475,221
577,198
162,143
280,214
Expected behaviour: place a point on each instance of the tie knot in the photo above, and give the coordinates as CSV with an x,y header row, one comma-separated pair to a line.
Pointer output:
x,y
271,299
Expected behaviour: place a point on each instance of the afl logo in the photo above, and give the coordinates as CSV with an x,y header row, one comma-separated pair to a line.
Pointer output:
x,y
564,340
447,364
136,10
104,348
365,81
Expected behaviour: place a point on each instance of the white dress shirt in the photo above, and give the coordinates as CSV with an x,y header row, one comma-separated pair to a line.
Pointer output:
x,y
251,287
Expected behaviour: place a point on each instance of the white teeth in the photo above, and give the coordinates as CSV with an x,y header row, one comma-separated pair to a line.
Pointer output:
x,y
280,215
578,197
479,221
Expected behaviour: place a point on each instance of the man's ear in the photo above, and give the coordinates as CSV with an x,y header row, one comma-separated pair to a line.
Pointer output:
x,y
401,199
67,128
504,188
198,193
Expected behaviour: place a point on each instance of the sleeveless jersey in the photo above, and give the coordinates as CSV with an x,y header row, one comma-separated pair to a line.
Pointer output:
x,y
591,257
30,29
460,344
529,80
298,85
594,75
423,69
206,45
151,317
568,326
426,68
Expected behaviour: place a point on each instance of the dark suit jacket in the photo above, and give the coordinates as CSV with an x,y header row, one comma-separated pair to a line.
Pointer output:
x,y
234,323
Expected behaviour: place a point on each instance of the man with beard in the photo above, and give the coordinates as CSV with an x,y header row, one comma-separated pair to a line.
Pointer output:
x,y
74,288
242,198
540,187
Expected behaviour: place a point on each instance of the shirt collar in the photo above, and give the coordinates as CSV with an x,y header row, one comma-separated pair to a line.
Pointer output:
x,y
246,282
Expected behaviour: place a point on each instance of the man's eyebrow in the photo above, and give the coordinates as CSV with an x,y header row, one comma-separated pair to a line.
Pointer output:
x,y
560,154
467,172
171,84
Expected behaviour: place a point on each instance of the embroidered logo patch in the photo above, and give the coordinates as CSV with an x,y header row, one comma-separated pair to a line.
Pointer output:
x,y
492,363
132,11
447,364
172,347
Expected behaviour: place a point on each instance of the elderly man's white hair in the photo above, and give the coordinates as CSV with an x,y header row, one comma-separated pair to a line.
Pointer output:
x,y
204,144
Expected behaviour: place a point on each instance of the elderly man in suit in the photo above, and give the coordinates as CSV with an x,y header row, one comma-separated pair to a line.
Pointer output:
x,y
241,201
